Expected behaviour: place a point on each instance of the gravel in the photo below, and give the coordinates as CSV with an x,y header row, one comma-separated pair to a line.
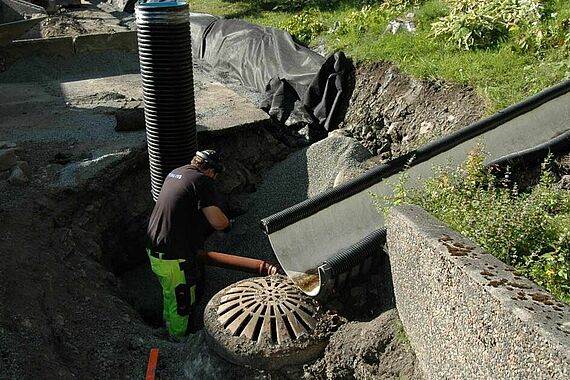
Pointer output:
x,y
303,174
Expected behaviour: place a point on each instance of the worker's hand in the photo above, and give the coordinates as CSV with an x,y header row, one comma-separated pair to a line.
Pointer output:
x,y
269,269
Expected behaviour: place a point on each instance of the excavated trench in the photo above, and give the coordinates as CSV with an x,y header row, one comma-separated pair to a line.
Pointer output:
x,y
267,171
94,319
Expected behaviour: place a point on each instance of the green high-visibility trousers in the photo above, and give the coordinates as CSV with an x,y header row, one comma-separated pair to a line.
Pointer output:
x,y
177,294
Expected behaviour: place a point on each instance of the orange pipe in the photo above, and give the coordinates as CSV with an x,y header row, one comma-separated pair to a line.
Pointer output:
x,y
244,264
152,363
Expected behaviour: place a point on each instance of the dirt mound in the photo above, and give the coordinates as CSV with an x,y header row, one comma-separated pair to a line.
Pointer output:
x,y
391,113
373,350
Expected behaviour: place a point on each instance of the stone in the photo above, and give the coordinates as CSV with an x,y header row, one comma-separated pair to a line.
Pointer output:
x,y
8,159
17,177
25,167
426,127
565,182
7,145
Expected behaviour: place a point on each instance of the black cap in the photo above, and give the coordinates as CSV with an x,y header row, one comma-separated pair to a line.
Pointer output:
x,y
212,159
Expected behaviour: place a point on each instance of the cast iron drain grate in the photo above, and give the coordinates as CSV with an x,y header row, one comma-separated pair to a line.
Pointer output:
x,y
266,323
266,308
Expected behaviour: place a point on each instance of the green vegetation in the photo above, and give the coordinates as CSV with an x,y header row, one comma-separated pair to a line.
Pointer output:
x,y
506,49
529,230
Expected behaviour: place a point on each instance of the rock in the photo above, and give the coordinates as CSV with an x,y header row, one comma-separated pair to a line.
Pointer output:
x,y
426,127
17,177
7,145
25,167
8,159
565,182
4,175
129,119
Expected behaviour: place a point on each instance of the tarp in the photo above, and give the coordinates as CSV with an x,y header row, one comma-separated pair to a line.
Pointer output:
x,y
302,86
309,233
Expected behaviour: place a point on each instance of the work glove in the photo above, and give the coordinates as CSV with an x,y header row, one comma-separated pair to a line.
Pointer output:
x,y
271,269
229,227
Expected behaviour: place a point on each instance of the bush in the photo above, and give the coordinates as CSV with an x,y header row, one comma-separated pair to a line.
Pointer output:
x,y
294,5
473,24
400,5
367,18
529,230
304,26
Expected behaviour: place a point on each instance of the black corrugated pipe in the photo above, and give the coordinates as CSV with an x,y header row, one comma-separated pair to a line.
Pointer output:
x,y
165,54
345,261
323,200
355,254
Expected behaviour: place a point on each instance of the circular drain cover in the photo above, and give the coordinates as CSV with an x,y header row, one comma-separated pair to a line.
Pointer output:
x,y
265,322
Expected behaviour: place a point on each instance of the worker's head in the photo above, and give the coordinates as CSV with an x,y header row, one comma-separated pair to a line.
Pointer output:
x,y
208,162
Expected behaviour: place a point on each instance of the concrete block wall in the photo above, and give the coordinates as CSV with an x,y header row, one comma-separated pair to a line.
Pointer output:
x,y
467,314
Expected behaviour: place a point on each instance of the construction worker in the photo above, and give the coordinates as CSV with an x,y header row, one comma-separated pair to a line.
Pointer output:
x,y
186,212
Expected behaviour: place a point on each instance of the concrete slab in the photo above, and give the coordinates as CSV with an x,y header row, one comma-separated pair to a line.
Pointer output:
x,y
57,46
79,116
219,109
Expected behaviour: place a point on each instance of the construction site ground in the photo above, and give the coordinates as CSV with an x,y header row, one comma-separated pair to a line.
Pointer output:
x,y
78,299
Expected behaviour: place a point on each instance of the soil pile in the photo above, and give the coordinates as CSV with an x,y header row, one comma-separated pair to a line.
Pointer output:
x,y
391,113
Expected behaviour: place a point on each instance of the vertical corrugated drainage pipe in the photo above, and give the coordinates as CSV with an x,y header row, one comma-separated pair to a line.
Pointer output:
x,y
165,54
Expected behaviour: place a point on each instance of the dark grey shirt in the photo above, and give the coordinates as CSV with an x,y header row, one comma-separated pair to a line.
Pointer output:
x,y
177,225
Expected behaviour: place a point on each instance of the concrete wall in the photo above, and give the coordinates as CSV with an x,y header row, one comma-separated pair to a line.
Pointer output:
x,y
106,41
467,314
68,46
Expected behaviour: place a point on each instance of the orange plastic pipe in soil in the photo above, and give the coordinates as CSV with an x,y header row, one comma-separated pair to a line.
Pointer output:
x,y
244,264
152,363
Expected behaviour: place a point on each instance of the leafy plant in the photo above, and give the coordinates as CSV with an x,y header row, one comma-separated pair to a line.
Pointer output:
x,y
400,5
304,26
473,24
294,5
365,19
530,230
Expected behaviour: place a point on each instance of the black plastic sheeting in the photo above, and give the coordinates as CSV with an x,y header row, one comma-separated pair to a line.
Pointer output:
x,y
301,86
337,194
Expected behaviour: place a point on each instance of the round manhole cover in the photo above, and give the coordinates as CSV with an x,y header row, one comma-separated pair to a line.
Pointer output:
x,y
264,322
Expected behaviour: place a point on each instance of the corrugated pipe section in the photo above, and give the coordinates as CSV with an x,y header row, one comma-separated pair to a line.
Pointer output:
x,y
321,201
165,53
353,255
558,145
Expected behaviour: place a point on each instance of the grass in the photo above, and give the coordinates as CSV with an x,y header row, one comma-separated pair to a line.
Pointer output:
x,y
527,229
502,75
